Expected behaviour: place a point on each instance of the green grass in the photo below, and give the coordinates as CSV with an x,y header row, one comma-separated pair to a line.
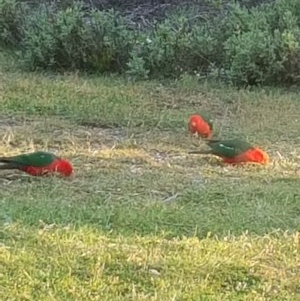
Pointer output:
x,y
140,219
52,263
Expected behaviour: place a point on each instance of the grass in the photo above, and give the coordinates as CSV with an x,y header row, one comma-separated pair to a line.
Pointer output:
x,y
141,219
53,263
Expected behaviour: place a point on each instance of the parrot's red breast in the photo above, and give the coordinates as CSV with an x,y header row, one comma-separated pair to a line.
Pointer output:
x,y
61,166
254,155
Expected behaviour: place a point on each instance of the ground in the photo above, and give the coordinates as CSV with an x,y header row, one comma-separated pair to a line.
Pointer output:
x,y
141,219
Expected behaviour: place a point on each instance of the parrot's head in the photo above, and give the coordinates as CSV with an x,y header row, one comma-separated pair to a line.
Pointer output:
x,y
261,156
64,167
198,125
194,123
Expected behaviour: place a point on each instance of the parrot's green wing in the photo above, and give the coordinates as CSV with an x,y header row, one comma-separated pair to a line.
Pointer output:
x,y
228,148
36,159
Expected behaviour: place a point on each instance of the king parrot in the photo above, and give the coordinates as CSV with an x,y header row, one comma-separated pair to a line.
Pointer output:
x,y
201,124
235,151
37,164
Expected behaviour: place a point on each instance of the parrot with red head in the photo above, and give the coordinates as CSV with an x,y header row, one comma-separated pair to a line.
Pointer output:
x,y
37,164
235,151
201,124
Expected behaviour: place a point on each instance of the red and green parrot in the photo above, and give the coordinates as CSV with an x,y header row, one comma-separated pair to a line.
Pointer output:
x,y
37,164
201,124
235,151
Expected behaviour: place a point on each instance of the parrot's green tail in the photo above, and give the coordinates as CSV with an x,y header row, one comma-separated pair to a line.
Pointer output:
x,y
8,164
212,140
5,160
200,152
209,142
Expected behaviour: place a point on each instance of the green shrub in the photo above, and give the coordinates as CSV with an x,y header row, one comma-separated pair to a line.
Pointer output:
x,y
112,40
263,47
260,45
12,15
289,47
251,57
174,47
164,46
75,39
